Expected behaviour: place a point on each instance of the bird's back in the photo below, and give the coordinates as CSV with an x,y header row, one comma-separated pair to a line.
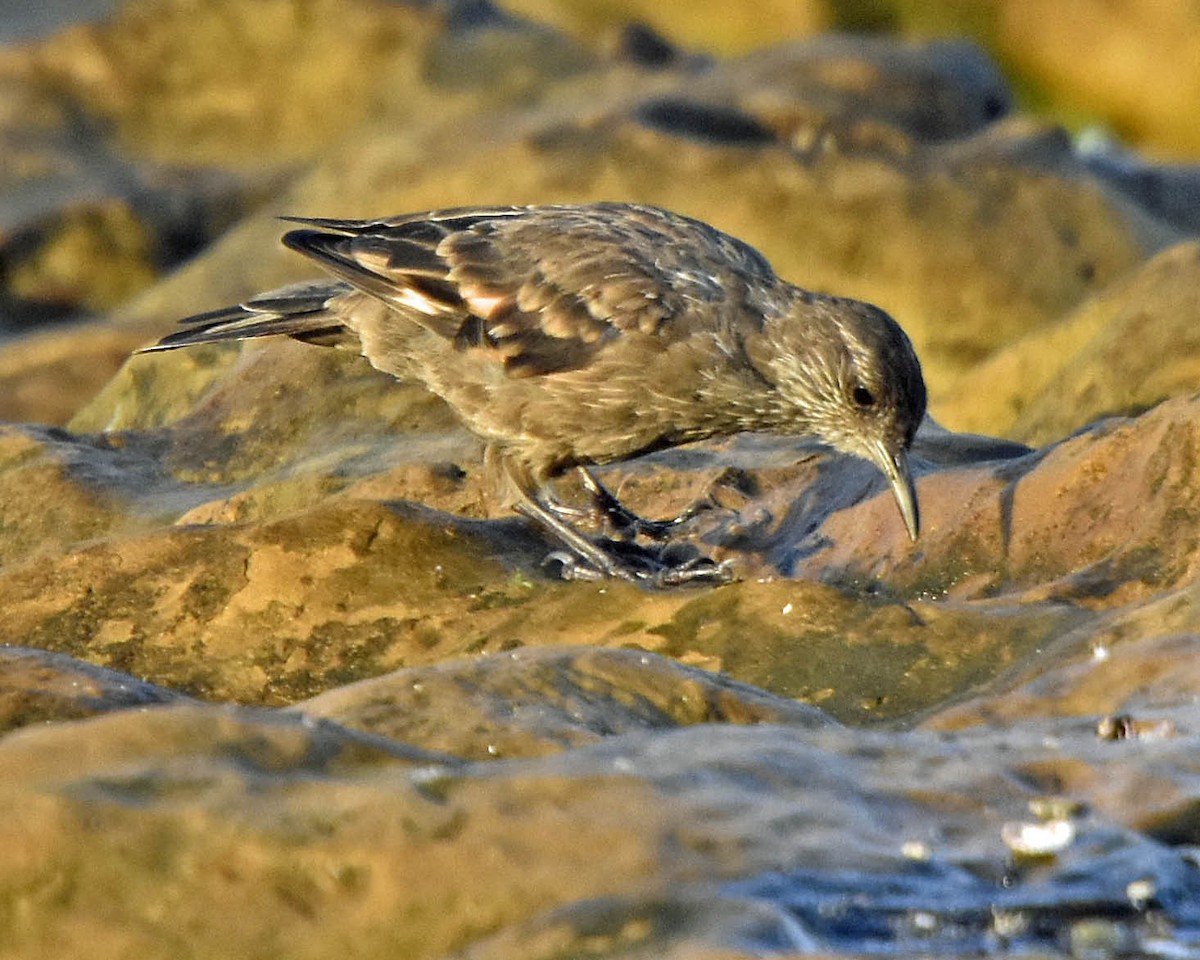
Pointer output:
x,y
542,290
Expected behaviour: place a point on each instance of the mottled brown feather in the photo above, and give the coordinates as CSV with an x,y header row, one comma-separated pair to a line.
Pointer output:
x,y
545,286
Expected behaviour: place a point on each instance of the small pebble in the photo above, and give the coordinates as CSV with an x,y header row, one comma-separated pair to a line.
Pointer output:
x,y
1123,726
1141,892
1038,839
916,850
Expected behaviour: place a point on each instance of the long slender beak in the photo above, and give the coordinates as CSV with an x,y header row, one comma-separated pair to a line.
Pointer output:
x,y
894,464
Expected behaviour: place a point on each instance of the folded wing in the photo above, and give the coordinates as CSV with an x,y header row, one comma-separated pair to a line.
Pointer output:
x,y
538,289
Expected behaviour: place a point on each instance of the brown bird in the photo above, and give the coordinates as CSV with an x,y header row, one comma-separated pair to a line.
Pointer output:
x,y
570,336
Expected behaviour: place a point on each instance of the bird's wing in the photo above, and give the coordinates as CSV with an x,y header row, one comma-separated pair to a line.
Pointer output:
x,y
541,289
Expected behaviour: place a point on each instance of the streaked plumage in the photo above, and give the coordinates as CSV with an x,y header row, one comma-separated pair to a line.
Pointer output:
x,y
569,336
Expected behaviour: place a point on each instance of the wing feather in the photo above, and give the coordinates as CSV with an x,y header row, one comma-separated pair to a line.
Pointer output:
x,y
541,288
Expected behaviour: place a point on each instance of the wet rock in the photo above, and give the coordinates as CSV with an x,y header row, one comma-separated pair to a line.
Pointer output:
x,y
261,506
324,569
346,589
46,508
261,613
272,834
1102,519
531,702
475,758
1131,346
38,687
276,612
1138,663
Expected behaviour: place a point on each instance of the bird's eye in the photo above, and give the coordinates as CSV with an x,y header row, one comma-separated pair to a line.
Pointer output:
x,y
863,397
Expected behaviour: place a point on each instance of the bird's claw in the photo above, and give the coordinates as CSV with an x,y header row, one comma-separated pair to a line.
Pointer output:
x,y
568,567
700,570
621,557
649,569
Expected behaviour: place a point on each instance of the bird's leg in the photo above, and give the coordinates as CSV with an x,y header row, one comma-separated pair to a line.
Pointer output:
x,y
623,521
600,561
564,511
623,561
550,517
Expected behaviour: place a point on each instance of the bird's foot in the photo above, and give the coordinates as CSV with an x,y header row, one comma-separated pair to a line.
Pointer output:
x,y
698,570
662,569
669,565
566,566
627,525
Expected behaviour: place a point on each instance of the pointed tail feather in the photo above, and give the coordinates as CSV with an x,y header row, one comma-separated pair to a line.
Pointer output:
x,y
302,311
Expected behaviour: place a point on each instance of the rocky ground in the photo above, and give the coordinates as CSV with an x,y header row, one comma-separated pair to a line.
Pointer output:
x,y
283,675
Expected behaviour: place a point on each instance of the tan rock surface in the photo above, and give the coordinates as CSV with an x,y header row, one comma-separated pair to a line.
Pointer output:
x,y
1103,518
278,610
308,587
45,377
235,84
267,834
1131,346
40,687
531,702
131,142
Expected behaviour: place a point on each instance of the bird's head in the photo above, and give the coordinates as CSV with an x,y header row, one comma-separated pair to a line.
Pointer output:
x,y
854,380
